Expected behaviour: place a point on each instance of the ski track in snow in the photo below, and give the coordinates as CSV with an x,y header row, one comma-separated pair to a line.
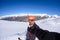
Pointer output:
x,y
11,30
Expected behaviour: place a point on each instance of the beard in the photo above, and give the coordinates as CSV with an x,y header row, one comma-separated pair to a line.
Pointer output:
x,y
30,24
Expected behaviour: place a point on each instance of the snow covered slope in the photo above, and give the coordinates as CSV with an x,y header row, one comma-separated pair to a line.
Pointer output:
x,y
50,24
12,29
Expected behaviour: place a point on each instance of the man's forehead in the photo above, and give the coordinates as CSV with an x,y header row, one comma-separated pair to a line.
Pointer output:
x,y
31,17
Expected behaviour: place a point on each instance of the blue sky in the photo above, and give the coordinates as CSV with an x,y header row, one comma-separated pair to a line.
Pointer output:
x,y
8,7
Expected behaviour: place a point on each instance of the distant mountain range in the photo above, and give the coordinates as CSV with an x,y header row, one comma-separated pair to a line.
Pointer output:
x,y
24,17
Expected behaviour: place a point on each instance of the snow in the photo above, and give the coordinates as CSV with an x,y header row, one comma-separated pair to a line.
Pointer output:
x,y
9,29
50,24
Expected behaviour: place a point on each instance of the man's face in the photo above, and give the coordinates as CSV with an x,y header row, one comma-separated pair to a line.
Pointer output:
x,y
31,20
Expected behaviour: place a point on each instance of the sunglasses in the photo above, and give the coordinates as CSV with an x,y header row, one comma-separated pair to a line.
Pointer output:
x,y
31,19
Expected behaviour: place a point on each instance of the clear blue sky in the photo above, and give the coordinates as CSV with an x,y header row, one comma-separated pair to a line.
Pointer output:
x,y
8,7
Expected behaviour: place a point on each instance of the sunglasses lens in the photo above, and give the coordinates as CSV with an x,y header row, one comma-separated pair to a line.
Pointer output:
x,y
31,20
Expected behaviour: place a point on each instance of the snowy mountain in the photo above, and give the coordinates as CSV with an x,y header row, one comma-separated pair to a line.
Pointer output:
x,y
11,30
24,17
